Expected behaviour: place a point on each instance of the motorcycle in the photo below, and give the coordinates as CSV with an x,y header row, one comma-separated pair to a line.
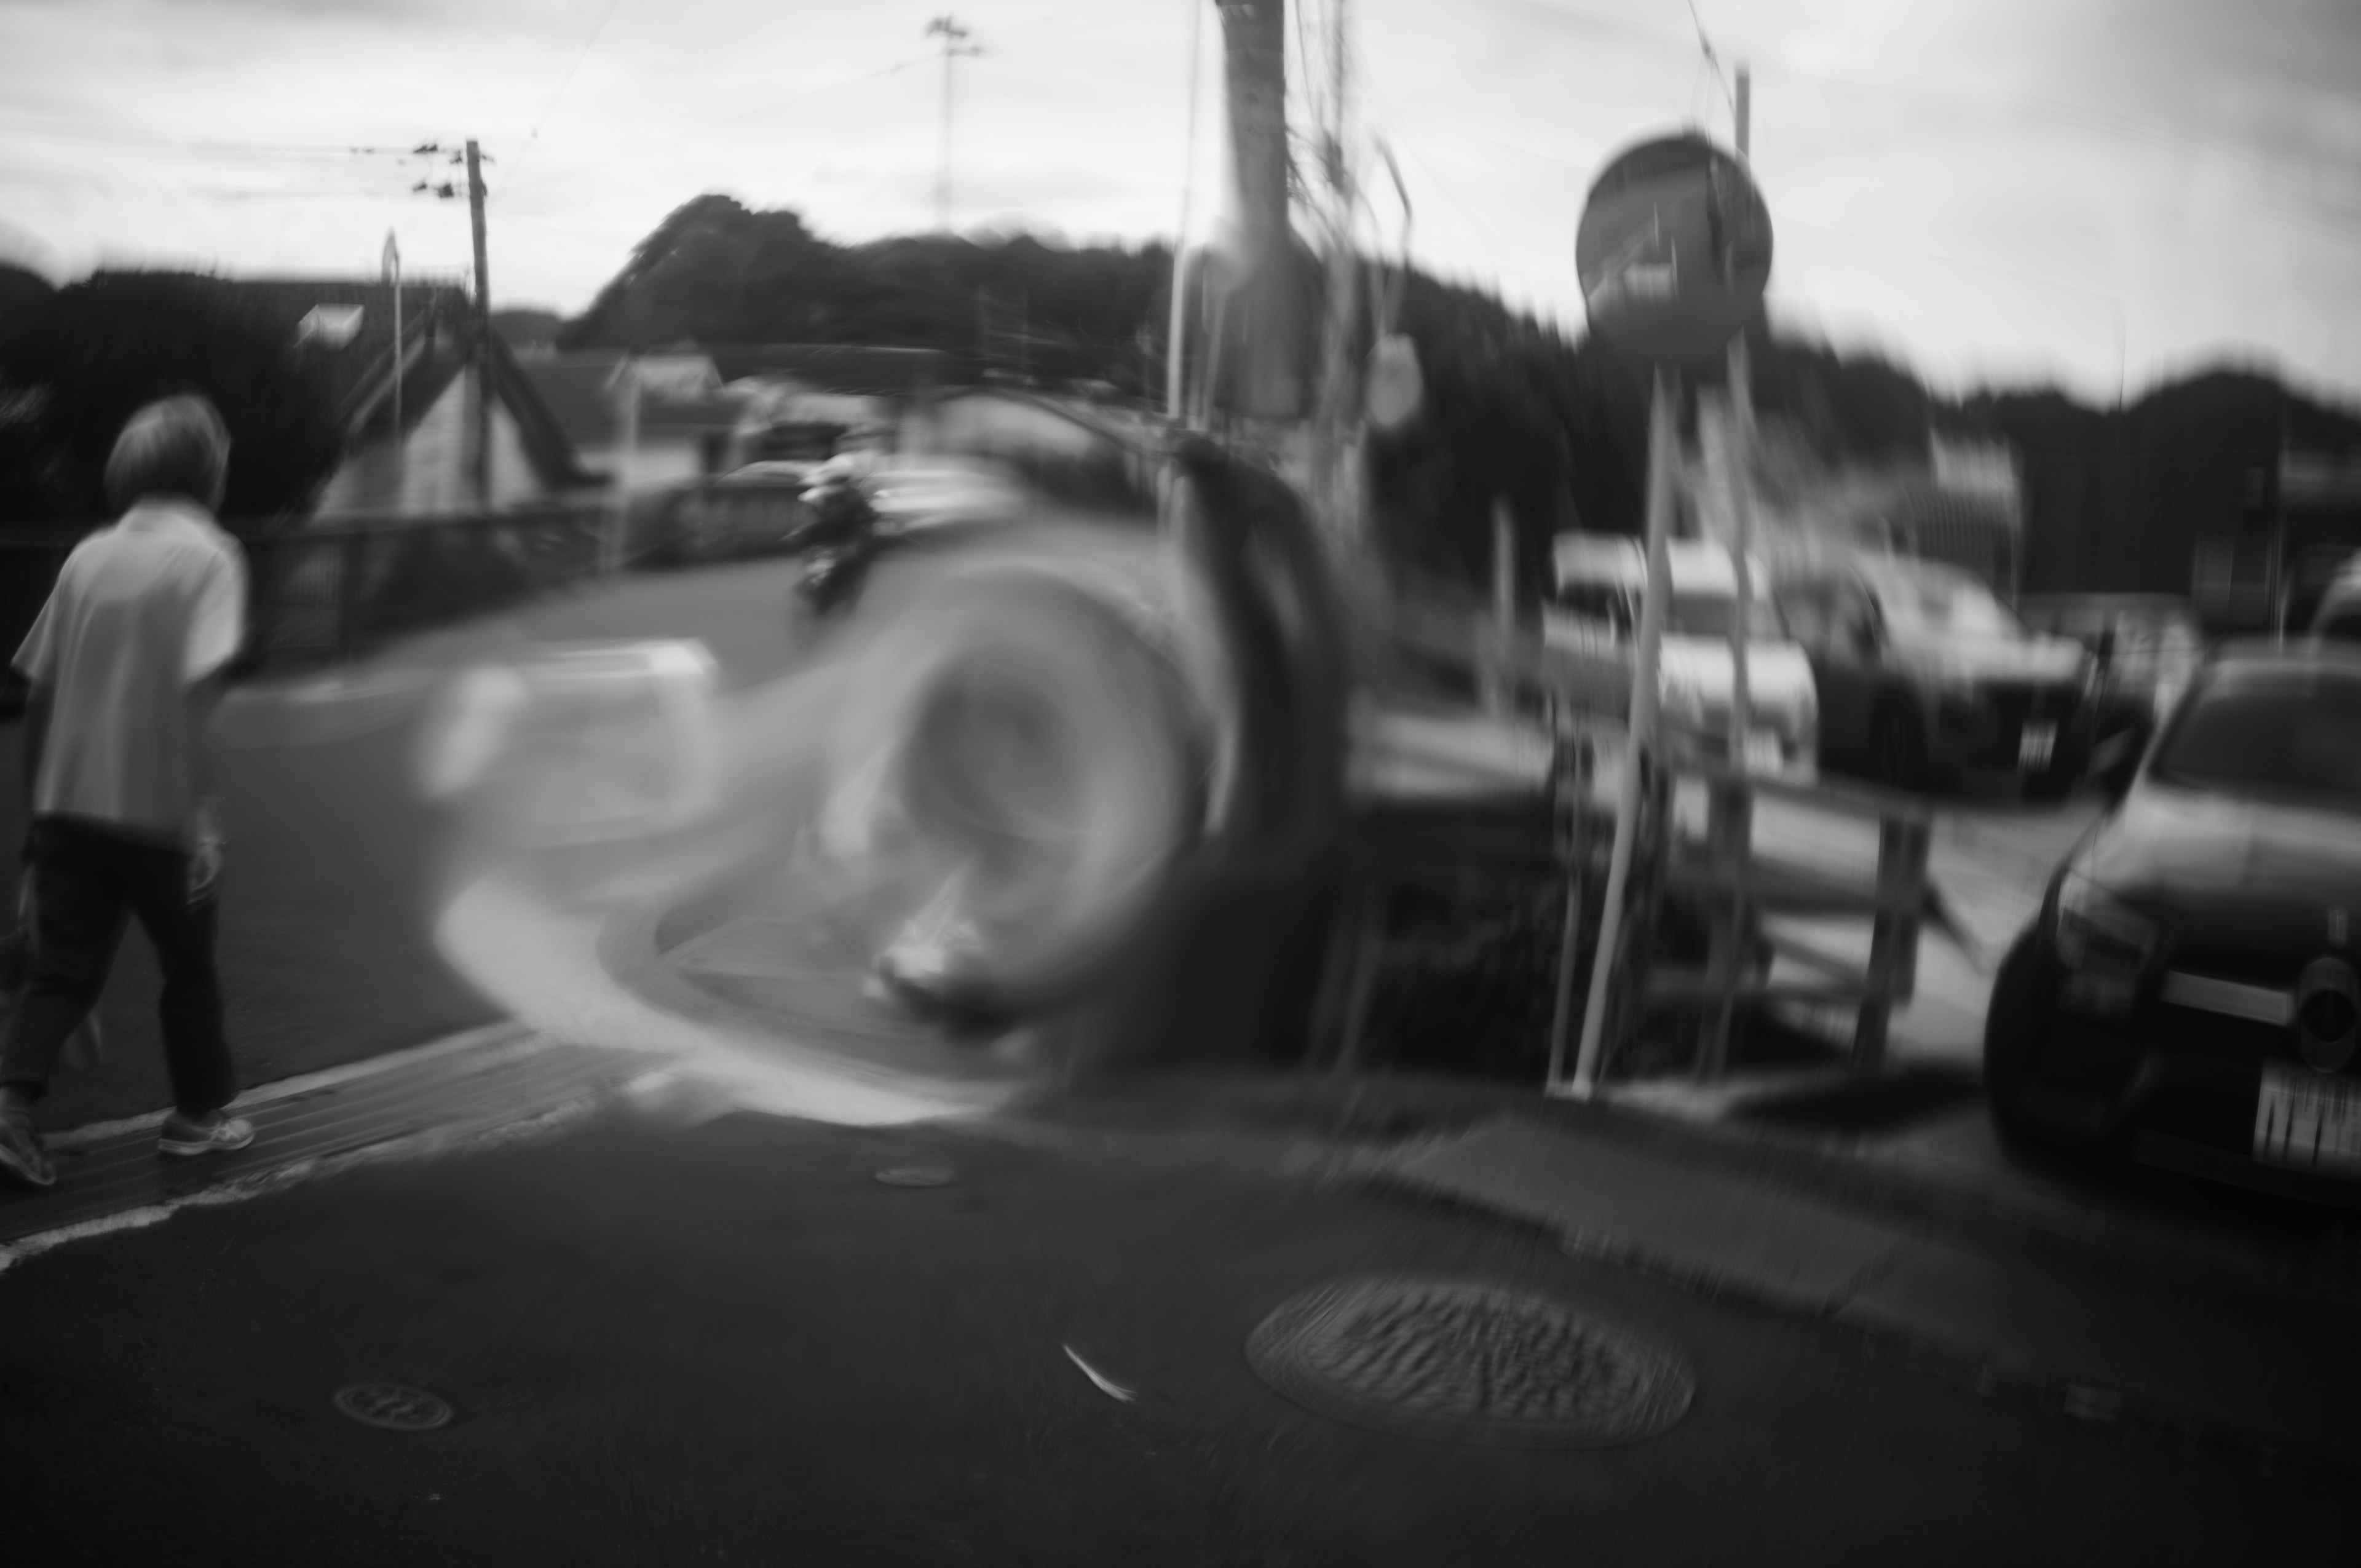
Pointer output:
x,y
842,544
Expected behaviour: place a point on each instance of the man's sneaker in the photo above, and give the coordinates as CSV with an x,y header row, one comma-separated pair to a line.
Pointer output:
x,y
21,1156
220,1135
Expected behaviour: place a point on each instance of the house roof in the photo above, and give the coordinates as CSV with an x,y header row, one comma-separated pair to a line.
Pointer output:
x,y
833,368
577,391
443,358
355,353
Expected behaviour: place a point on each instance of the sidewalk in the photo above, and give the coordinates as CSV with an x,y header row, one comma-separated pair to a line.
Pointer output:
x,y
2274,1377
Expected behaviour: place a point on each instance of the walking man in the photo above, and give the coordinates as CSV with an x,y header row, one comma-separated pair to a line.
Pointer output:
x,y
125,663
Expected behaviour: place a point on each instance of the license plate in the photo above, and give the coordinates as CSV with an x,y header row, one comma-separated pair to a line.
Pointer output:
x,y
2308,1121
1763,752
2035,744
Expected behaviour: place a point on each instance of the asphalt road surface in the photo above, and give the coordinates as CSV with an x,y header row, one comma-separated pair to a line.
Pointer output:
x,y
733,1343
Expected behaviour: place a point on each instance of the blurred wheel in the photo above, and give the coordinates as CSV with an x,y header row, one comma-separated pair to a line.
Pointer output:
x,y
1014,775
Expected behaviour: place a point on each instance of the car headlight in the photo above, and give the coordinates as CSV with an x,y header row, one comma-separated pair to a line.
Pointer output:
x,y
2095,926
2104,944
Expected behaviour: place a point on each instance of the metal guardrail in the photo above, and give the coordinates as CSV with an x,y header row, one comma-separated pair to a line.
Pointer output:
x,y
1550,837
1564,838
1742,885
333,589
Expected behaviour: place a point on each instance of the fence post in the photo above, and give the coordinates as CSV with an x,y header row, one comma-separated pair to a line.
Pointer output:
x,y
1573,809
1893,949
349,561
1730,845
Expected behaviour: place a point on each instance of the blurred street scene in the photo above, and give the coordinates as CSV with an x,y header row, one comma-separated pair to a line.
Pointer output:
x,y
937,895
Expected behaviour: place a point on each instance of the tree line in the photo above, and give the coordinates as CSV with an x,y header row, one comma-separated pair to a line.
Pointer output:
x,y
1518,412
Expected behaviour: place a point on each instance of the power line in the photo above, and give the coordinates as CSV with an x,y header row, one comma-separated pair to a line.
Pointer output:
x,y
659,150
1482,231
587,45
1704,46
86,130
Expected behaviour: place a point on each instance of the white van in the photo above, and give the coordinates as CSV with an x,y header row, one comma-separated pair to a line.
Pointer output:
x,y
1600,579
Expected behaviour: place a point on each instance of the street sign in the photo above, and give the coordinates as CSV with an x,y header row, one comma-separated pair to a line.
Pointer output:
x,y
1674,249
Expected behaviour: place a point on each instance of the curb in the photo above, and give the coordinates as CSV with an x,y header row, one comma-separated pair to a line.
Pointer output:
x,y
1831,1172
473,1088
1320,1122
2052,1389
483,1037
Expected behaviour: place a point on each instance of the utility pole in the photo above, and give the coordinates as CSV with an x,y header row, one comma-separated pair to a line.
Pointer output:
x,y
955,44
1175,334
480,455
390,264
1732,827
1336,379
1738,447
1262,327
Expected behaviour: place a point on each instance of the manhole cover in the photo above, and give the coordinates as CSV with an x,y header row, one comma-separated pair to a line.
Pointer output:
x,y
1467,1363
22,1389
394,1407
917,1176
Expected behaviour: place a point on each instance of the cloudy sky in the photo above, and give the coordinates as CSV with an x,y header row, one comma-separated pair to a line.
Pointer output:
x,y
1986,189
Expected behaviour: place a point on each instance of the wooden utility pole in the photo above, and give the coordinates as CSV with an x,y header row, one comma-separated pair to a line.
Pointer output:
x,y
1337,381
1731,825
1738,448
1263,332
390,264
480,455
1176,355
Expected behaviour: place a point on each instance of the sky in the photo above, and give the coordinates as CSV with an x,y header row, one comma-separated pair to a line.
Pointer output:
x,y
2104,193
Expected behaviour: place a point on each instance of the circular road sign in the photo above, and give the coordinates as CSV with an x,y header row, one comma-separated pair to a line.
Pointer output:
x,y
1674,249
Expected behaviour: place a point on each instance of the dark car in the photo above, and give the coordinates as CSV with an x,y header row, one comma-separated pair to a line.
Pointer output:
x,y
1924,675
2144,648
2188,996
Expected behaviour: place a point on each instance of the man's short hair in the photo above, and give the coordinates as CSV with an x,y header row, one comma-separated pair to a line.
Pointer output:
x,y
174,446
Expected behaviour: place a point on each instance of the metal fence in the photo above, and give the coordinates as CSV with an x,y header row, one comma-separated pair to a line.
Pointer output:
x,y
333,590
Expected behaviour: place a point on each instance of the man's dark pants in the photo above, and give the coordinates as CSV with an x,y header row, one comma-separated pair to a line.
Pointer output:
x,y
85,882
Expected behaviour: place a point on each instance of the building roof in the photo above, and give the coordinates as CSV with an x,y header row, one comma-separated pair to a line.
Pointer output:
x,y
833,368
355,352
578,392
555,459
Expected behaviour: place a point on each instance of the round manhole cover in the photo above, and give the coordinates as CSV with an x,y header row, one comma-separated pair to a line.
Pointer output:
x,y
23,1388
394,1407
917,1176
1467,1363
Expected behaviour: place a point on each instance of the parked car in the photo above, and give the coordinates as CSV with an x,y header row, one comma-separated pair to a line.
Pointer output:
x,y
1600,579
919,493
2339,618
2188,996
1924,675
2145,649
784,471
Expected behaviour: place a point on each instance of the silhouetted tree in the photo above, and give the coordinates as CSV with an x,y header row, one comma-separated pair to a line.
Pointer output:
x,y
79,364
